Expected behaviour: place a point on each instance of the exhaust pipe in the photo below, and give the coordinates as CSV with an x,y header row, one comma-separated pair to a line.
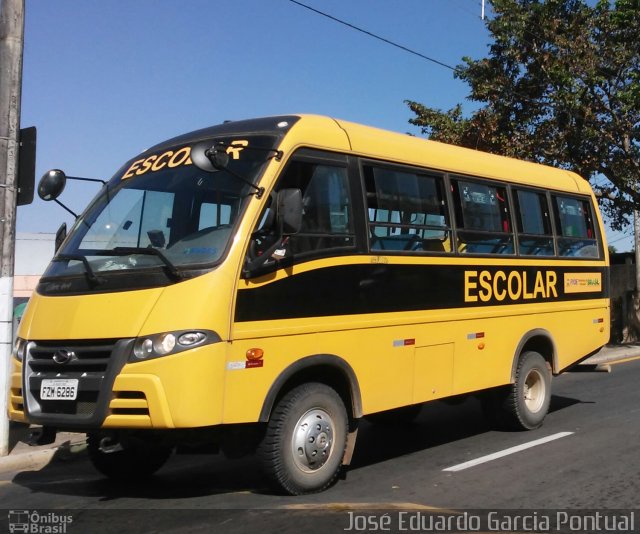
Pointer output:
x,y
109,446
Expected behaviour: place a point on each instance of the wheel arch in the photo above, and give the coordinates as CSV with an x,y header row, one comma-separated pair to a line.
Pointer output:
x,y
540,341
328,369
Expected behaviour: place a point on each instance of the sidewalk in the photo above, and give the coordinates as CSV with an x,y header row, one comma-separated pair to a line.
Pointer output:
x,y
70,445
612,353
24,457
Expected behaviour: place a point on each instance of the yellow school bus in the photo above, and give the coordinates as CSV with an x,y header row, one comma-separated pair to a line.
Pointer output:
x,y
263,285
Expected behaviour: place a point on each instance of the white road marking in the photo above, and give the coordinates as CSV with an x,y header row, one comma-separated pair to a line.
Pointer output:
x,y
507,452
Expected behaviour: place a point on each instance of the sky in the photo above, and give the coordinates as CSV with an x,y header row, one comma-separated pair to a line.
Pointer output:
x,y
105,79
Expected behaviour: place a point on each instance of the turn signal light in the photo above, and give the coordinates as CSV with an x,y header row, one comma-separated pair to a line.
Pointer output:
x,y
255,354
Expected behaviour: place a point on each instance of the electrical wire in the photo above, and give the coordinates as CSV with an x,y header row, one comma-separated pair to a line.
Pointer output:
x,y
467,11
612,241
375,36
513,92
401,47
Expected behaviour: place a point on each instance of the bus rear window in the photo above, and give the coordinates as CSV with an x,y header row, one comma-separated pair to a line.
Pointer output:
x,y
575,228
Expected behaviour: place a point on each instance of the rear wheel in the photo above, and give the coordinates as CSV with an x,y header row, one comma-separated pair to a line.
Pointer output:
x,y
131,459
524,404
305,440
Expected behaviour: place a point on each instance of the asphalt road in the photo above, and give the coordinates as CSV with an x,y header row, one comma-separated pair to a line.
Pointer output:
x,y
592,463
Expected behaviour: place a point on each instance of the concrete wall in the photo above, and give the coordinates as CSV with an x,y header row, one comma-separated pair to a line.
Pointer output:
x,y
625,321
33,253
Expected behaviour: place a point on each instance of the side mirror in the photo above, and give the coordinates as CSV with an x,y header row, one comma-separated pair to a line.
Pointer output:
x,y
288,205
289,211
52,184
208,158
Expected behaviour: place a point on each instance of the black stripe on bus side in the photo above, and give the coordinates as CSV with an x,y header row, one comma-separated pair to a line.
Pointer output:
x,y
378,288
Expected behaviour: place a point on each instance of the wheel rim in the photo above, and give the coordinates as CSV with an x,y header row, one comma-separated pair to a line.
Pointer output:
x,y
312,440
535,391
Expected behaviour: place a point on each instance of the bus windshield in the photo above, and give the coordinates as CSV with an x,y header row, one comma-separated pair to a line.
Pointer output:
x,y
161,213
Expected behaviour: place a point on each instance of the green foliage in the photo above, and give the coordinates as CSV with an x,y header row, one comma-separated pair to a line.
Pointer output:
x,y
561,86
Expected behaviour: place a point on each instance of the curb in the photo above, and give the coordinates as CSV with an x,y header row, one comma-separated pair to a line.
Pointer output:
x,y
612,354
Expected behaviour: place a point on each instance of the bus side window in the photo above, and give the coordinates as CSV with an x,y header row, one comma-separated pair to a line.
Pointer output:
x,y
576,231
407,211
482,218
327,220
535,236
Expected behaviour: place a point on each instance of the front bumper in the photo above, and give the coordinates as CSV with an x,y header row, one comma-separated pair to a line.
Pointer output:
x,y
184,390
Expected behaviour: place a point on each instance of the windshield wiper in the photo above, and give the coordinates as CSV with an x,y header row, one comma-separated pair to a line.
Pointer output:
x,y
150,251
91,276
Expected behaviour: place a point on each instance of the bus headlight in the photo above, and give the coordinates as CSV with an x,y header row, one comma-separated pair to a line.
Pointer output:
x,y
166,344
156,345
18,349
143,348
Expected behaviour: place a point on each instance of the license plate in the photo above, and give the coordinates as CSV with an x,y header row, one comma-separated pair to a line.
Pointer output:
x,y
59,389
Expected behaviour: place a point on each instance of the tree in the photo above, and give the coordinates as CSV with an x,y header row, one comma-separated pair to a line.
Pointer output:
x,y
561,86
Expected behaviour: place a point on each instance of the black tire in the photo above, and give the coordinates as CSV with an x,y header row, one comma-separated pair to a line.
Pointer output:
x,y
137,459
524,404
305,440
399,416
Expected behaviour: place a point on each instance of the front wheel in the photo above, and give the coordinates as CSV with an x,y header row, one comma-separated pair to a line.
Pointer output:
x,y
305,440
524,404
133,459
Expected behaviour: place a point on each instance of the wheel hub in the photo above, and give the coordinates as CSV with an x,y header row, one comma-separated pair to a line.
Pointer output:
x,y
312,440
534,391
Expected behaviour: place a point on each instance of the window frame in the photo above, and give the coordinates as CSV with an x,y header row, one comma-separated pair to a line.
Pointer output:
x,y
593,220
312,156
515,188
441,181
362,227
456,204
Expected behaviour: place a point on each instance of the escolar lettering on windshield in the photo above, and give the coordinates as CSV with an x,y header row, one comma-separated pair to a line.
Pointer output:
x,y
170,158
176,158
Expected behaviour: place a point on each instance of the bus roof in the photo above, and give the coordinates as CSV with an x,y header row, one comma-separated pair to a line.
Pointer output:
x,y
404,148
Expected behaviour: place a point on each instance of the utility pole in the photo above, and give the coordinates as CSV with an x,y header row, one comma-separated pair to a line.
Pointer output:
x,y
636,243
11,47
635,320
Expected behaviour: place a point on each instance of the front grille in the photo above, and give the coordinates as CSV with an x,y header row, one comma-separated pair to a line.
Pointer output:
x,y
94,363
86,356
85,404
